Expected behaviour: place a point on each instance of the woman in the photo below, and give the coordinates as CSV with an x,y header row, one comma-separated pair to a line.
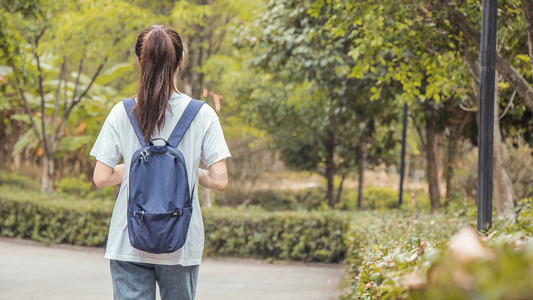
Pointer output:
x,y
158,107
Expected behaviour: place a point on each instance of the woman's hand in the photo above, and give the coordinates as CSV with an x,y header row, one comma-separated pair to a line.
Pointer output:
x,y
104,175
216,178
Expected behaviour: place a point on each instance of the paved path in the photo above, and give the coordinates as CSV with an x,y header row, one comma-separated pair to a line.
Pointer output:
x,y
29,270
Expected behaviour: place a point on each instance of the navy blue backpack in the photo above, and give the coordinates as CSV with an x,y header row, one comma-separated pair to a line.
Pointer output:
x,y
159,200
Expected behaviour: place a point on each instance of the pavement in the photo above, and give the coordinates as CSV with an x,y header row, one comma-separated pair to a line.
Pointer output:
x,y
30,270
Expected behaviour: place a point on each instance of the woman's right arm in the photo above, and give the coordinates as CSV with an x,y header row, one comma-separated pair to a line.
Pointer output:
x,y
216,177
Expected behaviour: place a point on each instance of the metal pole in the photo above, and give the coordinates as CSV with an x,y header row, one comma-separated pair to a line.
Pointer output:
x,y
404,136
486,108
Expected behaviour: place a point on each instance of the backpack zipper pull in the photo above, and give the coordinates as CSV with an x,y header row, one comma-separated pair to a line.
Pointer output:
x,y
145,156
142,215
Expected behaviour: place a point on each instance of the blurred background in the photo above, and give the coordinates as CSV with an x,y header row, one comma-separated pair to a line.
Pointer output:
x,y
311,96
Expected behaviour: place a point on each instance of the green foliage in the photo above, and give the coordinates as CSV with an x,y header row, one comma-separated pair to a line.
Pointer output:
x,y
272,200
380,198
302,236
22,182
383,245
310,198
399,255
53,218
78,186
504,273
253,233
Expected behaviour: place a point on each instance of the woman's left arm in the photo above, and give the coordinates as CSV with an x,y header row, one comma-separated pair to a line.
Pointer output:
x,y
104,175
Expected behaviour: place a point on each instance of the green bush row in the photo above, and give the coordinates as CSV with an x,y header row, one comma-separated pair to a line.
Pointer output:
x,y
54,218
60,218
301,236
401,255
314,199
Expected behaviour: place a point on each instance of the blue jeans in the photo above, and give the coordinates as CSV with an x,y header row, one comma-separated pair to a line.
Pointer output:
x,y
136,281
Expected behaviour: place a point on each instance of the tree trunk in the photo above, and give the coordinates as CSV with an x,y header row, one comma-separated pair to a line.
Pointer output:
x,y
450,164
458,120
361,158
339,189
503,186
440,164
330,169
431,157
47,182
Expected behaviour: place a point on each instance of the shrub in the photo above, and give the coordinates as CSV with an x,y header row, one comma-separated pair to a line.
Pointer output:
x,y
61,218
77,186
310,198
302,236
272,200
80,187
21,182
384,198
53,218
405,256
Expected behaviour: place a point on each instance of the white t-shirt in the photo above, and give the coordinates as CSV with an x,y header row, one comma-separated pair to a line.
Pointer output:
x,y
203,140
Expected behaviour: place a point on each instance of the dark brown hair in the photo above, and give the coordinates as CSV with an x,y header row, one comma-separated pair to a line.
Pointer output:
x,y
159,50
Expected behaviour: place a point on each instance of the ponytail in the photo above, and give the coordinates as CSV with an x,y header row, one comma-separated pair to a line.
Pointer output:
x,y
159,50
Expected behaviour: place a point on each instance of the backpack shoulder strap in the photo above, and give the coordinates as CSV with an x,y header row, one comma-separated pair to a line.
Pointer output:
x,y
128,105
185,121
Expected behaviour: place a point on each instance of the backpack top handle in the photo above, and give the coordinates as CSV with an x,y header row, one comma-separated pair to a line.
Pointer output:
x,y
183,124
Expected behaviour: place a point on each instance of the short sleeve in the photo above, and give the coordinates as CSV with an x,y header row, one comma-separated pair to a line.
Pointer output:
x,y
107,148
214,147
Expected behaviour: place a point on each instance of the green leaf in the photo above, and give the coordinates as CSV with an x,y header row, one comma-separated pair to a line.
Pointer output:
x,y
21,117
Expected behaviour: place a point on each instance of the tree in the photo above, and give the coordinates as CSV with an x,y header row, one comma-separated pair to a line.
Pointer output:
x,y
415,38
53,53
321,124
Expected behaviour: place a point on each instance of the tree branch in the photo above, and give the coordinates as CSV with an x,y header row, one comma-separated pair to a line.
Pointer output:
x,y
76,101
468,109
511,75
58,94
527,6
508,106
98,70
28,111
41,91
419,131
76,84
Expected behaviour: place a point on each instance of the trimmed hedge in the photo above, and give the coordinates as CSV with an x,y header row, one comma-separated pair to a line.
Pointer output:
x,y
55,218
302,236
59,218
406,255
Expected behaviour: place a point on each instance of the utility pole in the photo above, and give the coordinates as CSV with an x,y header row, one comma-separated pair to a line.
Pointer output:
x,y
486,108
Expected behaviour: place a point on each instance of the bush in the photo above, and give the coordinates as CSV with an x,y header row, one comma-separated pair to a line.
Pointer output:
x,y
53,218
77,186
405,256
273,200
311,198
21,182
61,218
301,236
80,187
384,198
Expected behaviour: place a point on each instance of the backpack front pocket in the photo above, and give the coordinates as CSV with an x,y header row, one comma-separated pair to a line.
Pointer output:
x,y
158,232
